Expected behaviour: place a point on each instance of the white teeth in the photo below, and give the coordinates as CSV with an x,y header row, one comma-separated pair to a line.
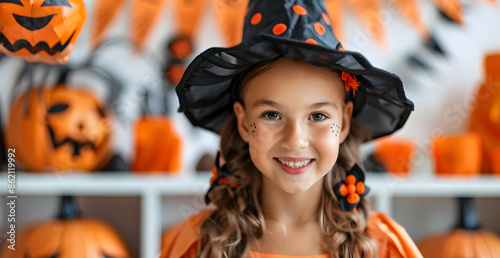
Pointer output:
x,y
292,164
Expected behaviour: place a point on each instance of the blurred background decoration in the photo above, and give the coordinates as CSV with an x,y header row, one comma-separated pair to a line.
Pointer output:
x,y
466,239
458,155
395,155
188,13
485,118
61,125
68,235
41,30
158,147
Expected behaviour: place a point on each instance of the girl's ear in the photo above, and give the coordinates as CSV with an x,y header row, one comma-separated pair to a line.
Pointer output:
x,y
346,121
241,121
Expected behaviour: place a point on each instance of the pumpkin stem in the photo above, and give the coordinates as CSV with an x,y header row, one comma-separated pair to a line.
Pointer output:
x,y
468,220
69,209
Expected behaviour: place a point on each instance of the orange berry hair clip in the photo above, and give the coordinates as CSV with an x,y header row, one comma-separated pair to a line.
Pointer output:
x,y
219,178
350,191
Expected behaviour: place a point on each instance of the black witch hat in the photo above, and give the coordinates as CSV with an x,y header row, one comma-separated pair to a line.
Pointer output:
x,y
299,29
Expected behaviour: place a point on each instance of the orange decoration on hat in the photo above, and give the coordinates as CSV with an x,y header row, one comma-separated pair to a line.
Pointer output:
x,y
319,28
312,42
299,10
279,29
350,82
256,18
326,18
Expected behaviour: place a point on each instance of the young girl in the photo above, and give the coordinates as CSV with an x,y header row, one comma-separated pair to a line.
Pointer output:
x,y
292,108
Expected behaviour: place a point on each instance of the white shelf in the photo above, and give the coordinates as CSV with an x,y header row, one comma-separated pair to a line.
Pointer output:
x,y
130,184
106,183
152,187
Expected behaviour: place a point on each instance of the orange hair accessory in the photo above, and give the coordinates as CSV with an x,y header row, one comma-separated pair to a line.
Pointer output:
x,y
350,191
219,177
350,82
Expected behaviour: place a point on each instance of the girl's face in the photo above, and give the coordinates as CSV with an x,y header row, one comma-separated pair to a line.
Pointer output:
x,y
294,120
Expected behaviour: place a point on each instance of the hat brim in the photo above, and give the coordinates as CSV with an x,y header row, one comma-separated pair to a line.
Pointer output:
x,y
206,90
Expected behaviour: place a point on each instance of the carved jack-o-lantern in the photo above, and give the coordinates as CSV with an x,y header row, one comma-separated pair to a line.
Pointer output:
x,y
40,30
485,117
70,235
59,129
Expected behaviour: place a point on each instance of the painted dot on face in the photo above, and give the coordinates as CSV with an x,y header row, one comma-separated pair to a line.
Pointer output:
x,y
253,127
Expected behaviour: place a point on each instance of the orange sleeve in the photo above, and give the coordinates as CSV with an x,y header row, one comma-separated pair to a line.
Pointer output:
x,y
393,240
181,241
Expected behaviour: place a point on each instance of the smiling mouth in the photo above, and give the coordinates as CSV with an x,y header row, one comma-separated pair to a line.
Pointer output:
x,y
77,146
40,46
296,164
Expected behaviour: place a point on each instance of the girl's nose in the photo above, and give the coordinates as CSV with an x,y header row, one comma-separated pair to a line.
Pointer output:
x,y
294,137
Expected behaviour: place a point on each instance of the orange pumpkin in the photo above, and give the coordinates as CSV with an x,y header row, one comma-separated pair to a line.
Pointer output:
x,y
70,235
40,30
59,129
485,116
157,146
466,240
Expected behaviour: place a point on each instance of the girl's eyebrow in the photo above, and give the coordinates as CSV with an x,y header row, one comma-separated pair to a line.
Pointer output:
x,y
321,104
264,102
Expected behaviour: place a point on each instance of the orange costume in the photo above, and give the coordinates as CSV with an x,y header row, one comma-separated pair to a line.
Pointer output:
x,y
182,240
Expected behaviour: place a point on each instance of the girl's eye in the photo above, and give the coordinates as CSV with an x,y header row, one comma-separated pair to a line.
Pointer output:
x,y
271,115
318,117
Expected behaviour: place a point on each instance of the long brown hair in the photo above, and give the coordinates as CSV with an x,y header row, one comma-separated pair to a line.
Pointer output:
x,y
238,220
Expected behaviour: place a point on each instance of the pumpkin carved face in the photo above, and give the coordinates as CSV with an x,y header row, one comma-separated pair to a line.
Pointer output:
x,y
59,129
40,30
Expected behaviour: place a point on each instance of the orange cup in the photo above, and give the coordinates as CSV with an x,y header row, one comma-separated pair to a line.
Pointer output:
x,y
396,155
458,155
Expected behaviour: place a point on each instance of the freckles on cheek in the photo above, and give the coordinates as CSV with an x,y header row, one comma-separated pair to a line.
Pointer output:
x,y
335,129
260,137
328,135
